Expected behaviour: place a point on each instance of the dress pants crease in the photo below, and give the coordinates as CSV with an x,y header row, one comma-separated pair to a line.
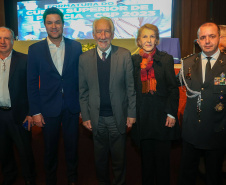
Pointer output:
x,y
109,141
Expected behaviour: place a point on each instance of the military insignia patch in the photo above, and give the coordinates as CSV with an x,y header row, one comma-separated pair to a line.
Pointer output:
x,y
219,107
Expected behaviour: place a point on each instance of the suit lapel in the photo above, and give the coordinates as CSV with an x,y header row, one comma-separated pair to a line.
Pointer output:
x,y
114,63
218,67
13,65
93,66
196,72
67,54
215,71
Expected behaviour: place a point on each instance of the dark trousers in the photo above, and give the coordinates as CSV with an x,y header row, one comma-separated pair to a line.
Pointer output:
x,y
190,162
13,133
109,141
155,157
51,132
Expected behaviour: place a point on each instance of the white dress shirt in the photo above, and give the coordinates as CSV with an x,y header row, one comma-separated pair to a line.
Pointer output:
x,y
4,81
205,60
57,54
107,52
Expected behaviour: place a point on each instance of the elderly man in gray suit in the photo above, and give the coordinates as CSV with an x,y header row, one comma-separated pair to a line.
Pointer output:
x,y
107,100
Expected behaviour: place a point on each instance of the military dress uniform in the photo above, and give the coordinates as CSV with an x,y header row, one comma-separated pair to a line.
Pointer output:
x,y
204,121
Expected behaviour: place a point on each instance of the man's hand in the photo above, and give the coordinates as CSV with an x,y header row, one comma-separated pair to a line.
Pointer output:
x,y
170,122
38,120
30,122
87,124
130,122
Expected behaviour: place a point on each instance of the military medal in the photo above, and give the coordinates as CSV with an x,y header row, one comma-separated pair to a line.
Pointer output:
x,y
219,107
188,75
217,81
220,80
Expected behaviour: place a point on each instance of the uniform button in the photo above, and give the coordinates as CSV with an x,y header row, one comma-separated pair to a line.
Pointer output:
x,y
221,91
201,99
202,88
62,79
199,121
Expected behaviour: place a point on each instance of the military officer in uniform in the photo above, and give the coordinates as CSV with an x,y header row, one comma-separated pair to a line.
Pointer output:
x,y
204,122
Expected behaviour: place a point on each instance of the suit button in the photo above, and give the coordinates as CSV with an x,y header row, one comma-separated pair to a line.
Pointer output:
x,y
199,121
202,88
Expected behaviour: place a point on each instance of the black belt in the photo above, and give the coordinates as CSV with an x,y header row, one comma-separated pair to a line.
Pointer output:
x,y
5,108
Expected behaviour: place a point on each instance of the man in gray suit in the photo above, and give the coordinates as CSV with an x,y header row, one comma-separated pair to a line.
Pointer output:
x,y
107,100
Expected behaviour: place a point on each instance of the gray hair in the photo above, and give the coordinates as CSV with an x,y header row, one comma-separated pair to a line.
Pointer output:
x,y
11,31
107,19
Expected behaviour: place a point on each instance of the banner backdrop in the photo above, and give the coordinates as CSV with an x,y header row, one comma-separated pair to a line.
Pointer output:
x,y
127,15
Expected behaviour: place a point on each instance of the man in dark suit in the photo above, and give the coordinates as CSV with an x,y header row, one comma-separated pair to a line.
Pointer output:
x,y
204,122
54,63
14,111
107,100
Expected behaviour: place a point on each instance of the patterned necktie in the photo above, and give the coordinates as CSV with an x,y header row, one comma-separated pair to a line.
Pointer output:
x,y
208,67
104,56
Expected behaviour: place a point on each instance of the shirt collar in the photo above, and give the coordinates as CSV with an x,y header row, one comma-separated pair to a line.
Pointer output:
x,y
214,56
9,57
107,52
51,44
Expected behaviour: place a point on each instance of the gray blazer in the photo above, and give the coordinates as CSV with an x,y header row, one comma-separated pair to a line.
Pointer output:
x,y
121,87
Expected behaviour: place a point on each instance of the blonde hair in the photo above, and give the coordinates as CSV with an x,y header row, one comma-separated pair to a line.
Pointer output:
x,y
149,27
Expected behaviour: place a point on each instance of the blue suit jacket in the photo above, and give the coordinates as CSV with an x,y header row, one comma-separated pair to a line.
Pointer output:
x,y
48,99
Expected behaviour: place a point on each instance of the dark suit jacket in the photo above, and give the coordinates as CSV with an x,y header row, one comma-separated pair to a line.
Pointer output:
x,y
18,86
164,101
121,87
206,131
48,99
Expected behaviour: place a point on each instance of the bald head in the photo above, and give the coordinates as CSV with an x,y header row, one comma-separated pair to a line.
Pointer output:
x,y
208,38
208,24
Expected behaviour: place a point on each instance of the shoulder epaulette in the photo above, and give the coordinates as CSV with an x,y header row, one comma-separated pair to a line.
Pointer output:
x,y
188,56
